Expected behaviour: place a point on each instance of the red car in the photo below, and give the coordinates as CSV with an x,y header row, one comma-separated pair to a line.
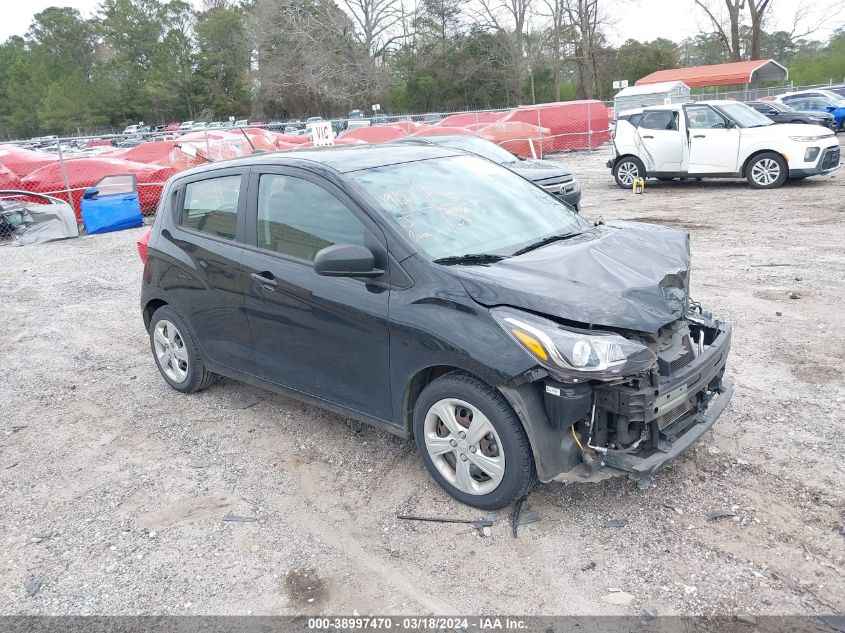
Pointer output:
x,y
172,127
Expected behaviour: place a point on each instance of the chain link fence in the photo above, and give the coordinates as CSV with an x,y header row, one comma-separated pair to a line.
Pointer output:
x,y
65,167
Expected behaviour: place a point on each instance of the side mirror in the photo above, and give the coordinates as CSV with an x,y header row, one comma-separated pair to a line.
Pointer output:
x,y
91,192
346,260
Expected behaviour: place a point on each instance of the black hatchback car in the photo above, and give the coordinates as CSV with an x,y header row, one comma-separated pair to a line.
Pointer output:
x,y
442,297
551,176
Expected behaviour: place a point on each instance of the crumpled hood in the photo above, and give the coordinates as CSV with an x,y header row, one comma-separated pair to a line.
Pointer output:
x,y
539,169
622,275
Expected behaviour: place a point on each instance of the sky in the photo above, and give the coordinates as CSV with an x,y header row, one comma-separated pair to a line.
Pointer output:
x,y
637,19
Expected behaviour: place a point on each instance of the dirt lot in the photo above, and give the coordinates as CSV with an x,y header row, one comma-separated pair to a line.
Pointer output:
x,y
120,495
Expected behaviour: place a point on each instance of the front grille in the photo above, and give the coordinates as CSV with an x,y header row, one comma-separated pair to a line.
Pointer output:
x,y
670,417
831,158
557,184
559,189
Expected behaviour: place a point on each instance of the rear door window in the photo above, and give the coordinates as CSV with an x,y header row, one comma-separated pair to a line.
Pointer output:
x,y
211,206
659,120
817,104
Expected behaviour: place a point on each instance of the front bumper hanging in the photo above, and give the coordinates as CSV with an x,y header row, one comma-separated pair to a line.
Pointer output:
x,y
669,413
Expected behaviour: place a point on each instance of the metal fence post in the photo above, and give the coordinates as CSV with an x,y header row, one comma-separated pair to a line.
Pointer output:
x,y
64,174
590,128
540,128
207,145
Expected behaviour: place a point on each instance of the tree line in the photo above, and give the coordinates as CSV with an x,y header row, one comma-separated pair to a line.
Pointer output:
x,y
163,60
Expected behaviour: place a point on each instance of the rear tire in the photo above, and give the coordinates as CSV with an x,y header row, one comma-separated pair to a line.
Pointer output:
x,y
627,169
176,352
472,443
767,171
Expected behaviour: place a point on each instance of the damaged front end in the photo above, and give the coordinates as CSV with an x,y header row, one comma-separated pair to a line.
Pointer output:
x,y
629,371
635,422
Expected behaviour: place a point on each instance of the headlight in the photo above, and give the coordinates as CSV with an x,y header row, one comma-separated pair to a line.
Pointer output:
x,y
808,139
573,355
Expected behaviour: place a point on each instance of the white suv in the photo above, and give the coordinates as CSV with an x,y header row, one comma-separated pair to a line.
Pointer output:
x,y
718,139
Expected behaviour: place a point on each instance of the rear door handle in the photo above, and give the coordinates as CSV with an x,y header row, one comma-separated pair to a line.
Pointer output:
x,y
648,136
698,136
268,282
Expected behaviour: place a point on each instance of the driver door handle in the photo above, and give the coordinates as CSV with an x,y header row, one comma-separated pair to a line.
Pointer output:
x,y
266,279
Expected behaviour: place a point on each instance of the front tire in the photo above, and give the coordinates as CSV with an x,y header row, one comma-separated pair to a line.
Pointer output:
x,y
767,171
176,352
626,170
472,443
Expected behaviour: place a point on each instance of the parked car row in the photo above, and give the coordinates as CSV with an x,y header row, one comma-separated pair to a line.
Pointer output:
x,y
818,101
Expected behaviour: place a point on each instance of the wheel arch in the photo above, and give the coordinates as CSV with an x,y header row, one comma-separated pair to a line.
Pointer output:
x,y
626,155
743,172
544,440
415,386
426,375
149,310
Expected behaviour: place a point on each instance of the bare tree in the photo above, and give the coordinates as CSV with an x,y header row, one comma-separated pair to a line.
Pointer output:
x,y
557,14
508,19
811,17
586,19
309,58
757,10
378,23
728,34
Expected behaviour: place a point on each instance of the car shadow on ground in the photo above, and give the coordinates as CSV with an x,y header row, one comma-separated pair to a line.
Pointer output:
x,y
717,183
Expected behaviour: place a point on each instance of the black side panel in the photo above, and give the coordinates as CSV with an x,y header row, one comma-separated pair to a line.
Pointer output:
x,y
201,277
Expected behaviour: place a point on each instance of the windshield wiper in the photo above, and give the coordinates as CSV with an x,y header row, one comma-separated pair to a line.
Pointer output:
x,y
546,240
470,258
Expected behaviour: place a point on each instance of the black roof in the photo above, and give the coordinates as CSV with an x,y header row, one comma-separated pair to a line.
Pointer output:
x,y
340,158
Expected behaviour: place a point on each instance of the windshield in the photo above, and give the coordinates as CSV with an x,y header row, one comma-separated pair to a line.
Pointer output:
x,y
744,116
464,204
780,107
484,148
837,100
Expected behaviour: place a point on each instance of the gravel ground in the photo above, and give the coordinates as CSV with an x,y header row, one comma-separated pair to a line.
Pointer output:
x,y
121,496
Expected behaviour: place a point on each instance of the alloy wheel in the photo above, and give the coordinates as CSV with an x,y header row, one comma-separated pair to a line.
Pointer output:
x,y
627,173
170,351
765,172
464,446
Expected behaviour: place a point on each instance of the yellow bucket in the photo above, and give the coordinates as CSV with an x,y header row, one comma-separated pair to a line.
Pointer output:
x,y
639,185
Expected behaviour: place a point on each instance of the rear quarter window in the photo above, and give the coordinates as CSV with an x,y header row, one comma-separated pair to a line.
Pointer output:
x,y
211,206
